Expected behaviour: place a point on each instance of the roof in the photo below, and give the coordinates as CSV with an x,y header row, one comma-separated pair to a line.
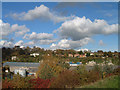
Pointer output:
x,y
22,64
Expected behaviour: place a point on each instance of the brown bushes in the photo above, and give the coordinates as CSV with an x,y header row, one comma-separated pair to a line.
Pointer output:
x,y
66,79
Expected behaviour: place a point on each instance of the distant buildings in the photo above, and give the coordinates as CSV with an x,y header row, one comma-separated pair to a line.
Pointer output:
x,y
70,55
14,57
91,63
21,71
75,64
22,67
77,55
34,54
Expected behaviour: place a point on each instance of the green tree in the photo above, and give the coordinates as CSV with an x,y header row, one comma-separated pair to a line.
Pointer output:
x,y
88,54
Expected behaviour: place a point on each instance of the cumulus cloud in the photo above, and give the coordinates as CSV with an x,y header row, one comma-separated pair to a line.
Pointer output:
x,y
7,29
80,28
41,12
31,43
39,36
4,43
101,43
19,43
19,30
46,42
70,44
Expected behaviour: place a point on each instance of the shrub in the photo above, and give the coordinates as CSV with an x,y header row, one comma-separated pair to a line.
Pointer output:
x,y
7,83
116,71
39,83
20,82
66,79
92,76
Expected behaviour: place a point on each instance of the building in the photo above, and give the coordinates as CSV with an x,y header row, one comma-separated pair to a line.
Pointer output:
x,y
14,57
21,66
81,56
91,63
76,55
21,72
70,55
75,64
34,54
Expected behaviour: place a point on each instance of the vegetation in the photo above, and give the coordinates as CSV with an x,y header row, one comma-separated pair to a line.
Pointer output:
x,y
67,79
54,72
23,55
110,82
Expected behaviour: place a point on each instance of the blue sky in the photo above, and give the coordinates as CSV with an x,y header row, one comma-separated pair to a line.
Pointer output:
x,y
54,17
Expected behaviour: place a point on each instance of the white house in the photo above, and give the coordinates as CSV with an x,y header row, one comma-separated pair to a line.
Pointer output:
x,y
91,63
34,54
74,65
14,57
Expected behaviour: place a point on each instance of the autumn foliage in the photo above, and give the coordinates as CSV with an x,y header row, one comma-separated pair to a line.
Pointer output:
x,y
7,84
40,83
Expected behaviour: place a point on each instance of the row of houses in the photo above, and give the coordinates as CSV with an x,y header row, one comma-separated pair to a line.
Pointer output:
x,y
76,55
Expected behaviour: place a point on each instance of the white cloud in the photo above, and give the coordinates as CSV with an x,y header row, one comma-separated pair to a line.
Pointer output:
x,y
101,43
39,42
70,44
41,12
31,43
6,29
20,30
19,43
46,42
4,43
80,28
39,36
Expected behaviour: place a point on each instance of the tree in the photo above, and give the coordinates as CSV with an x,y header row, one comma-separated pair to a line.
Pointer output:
x,y
50,67
88,54
80,52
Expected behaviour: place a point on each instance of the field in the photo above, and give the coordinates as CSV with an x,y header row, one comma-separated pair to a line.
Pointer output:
x,y
110,82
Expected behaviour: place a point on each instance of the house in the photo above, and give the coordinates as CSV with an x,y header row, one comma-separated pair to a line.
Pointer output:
x,y
34,54
75,64
91,54
70,55
91,63
82,56
20,71
14,57
76,55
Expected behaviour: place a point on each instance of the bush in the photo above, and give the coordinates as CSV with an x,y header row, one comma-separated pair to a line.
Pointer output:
x,y
65,80
20,82
7,84
116,71
39,83
92,76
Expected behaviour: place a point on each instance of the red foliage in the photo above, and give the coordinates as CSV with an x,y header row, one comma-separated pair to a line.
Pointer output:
x,y
7,84
108,75
40,83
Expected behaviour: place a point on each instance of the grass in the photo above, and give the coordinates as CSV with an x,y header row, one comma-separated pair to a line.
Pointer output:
x,y
110,82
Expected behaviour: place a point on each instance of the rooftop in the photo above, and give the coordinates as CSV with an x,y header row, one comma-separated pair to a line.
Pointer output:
x,y
22,64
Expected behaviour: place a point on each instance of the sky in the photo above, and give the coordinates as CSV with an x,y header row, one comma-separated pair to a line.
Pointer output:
x,y
60,25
